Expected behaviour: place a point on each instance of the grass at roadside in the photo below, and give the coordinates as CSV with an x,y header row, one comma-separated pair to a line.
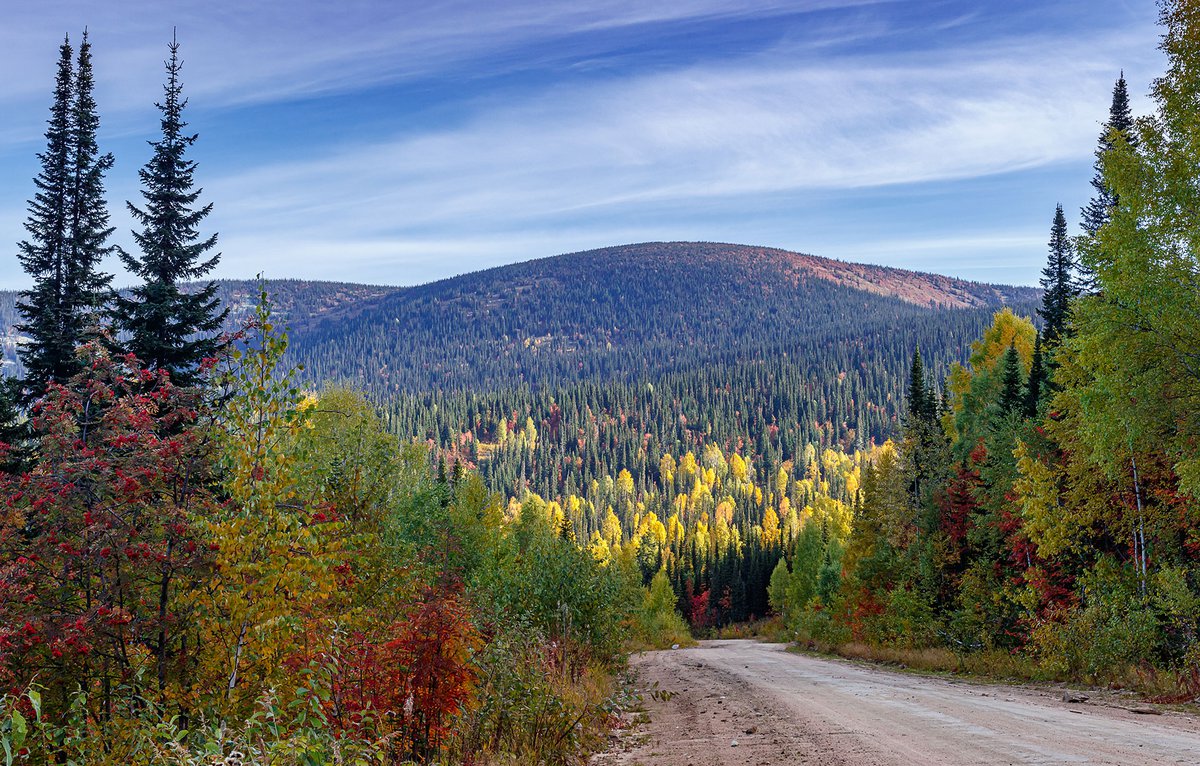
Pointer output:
x,y
997,666
770,629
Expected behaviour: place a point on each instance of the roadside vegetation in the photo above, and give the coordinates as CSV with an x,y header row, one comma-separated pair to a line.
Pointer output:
x,y
1038,518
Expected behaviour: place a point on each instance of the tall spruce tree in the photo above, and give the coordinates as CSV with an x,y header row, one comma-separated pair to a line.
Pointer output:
x,y
168,328
86,288
50,354
1120,120
1099,209
1058,281
68,231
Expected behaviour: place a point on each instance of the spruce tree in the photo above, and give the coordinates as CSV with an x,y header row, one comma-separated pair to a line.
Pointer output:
x,y
14,430
923,438
50,353
68,228
1058,281
1099,209
922,400
1010,382
168,328
1120,120
1036,386
86,288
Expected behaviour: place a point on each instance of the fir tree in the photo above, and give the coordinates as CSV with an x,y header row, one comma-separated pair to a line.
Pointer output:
x,y
922,399
168,328
1010,382
923,438
14,430
1036,386
1099,209
68,227
50,354
1120,120
1058,281
86,289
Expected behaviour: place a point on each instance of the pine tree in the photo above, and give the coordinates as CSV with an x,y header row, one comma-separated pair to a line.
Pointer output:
x,y
168,328
1036,386
1058,281
1010,381
50,354
86,288
1120,120
68,227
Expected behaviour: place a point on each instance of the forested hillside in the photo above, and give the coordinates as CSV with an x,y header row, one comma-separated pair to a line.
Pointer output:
x,y
578,379
626,313
614,314
297,302
672,344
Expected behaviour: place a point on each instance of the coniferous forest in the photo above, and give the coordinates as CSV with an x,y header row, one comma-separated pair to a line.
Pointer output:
x,y
305,523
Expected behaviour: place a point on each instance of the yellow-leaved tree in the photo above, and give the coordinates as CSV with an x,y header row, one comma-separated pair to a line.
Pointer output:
x,y
275,556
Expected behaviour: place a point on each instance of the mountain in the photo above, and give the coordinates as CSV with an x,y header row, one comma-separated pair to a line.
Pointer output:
x,y
296,302
623,313
554,373
619,313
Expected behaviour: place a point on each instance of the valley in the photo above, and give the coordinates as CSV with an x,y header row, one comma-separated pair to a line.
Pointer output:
x,y
444,512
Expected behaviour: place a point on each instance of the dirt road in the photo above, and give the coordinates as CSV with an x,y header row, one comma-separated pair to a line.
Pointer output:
x,y
754,704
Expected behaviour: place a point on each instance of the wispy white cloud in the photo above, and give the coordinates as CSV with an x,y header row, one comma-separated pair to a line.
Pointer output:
x,y
677,152
241,52
669,141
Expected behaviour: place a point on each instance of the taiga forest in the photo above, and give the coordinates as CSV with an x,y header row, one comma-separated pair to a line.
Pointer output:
x,y
292,521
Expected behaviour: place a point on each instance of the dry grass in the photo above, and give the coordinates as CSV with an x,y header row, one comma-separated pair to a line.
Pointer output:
x,y
996,666
767,629
989,665
1173,687
637,643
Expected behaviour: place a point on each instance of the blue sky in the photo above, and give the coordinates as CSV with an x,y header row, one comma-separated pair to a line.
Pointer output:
x,y
400,142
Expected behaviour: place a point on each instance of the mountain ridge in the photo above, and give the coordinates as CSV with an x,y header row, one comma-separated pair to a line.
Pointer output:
x,y
628,311
619,312
955,291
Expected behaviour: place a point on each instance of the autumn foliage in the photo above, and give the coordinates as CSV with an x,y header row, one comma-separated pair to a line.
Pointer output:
x,y
239,566
101,537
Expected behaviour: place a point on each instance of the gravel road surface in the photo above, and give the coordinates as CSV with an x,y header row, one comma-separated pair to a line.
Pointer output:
x,y
754,704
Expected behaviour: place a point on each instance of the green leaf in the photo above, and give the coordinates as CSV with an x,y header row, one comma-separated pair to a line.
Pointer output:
x,y
19,729
35,699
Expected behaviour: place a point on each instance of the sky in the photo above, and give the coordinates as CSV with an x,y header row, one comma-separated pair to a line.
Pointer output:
x,y
400,142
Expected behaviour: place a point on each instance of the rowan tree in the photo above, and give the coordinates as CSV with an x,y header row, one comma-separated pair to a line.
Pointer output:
x,y
100,542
